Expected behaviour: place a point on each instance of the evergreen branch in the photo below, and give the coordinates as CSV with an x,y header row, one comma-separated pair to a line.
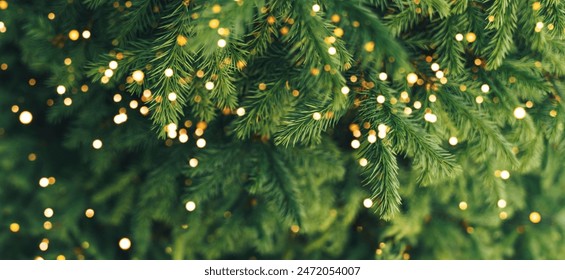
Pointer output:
x,y
479,127
504,24
381,176
452,53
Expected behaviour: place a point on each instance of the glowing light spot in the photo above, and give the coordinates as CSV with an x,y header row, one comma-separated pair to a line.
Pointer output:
x,y
214,23
432,98
316,8
372,138
124,243
47,225
240,111
355,144
169,72
459,37
48,212
295,228
193,162
138,76
332,50
74,35
44,182
463,205
89,213
97,144
471,37
113,64
381,99
209,85
345,90
51,16
453,141
181,40
479,99
61,89
14,227
109,73
368,203
172,96
440,74
201,143
86,34
60,257
190,206
485,88
519,113
435,67
429,117
383,76
535,217
504,174
412,78
501,203
44,245
317,116
503,215
363,162
68,101
26,117
222,43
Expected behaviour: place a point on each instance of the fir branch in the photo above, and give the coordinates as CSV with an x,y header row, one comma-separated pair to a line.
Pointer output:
x,y
504,24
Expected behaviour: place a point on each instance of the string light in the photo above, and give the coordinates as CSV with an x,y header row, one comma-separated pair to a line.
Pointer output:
x,y
14,227
109,73
535,217
44,182
440,74
355,144
332,50
113,64
193,162
504,174
463,205
61,89
222,43
345,90
97,144
519,113
138,76
209,85
381,99
172,96
412,78
368,203
168,72
485,88
240,111
363,162
316,8
501,203
74,35
453,141
435,66
89,213
201,143
48,212
190,206
124,243
471,37
317,116
26,117
459,37
86,34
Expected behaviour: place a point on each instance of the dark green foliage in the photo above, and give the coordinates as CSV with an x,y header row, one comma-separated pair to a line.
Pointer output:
x,y
260,129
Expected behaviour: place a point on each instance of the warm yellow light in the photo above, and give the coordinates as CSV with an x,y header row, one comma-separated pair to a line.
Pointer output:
x,y
519,113
44,182
417,105
368,203
48,212
372,138
113,64
429,117
412,78
479,99
214,23
201,143
355,144
485,88
381,99
109,73
61,258
193,162
133,104
169,72
463,205
440,74
435,66
317,116
345,90
89,213
44,245
74,35
471,37
504,174
86,34
363,162
316,8
295,228
51,16
240,111
68,61
181,40
459,37
535,217
332,50
97,144
172,96
61,89
138,76
501,203
68,101
503,215
47,225
209,85
26,117
14,227
124,243
453,141
190,206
